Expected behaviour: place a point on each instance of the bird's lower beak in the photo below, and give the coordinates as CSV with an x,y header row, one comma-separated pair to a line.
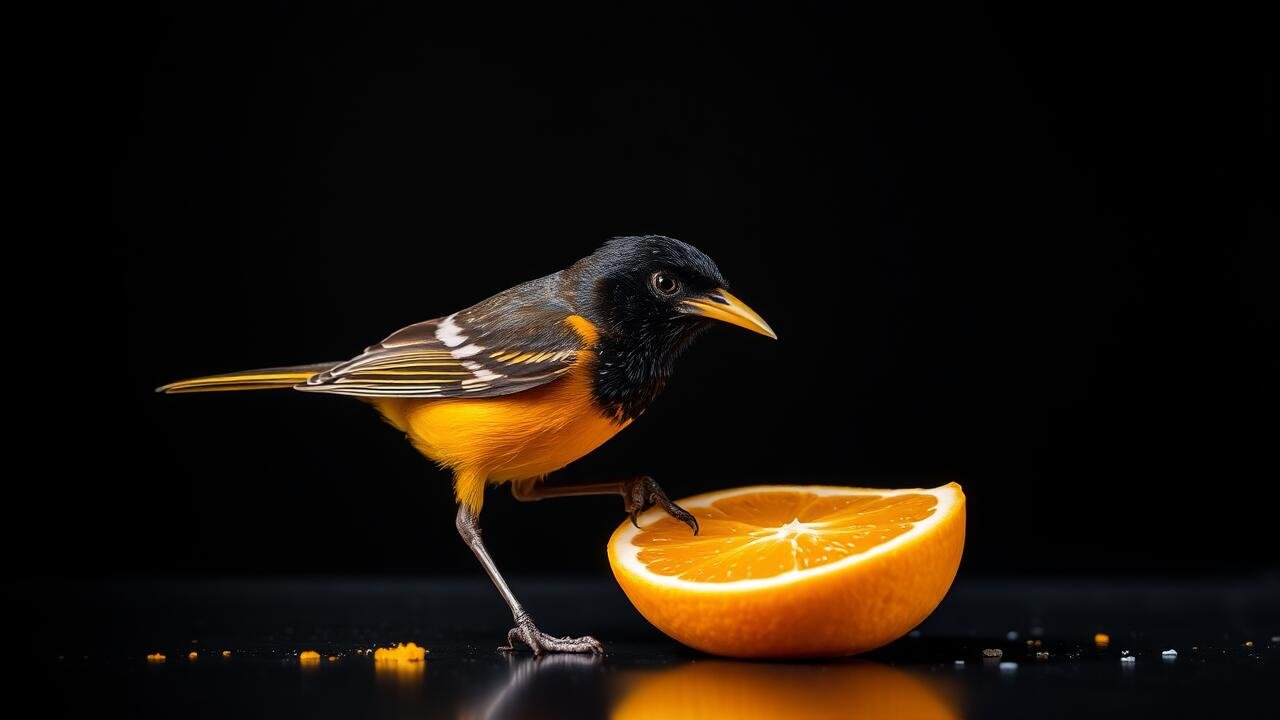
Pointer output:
x,y
721,305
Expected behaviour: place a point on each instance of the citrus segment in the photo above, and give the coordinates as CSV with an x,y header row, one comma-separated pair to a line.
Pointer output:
x,y
765,534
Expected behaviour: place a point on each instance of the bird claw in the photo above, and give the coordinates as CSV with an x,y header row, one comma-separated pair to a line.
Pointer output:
x,y
643,492
539,642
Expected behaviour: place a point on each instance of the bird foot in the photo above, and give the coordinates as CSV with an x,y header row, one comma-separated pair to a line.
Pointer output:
x,y
641,493
539,642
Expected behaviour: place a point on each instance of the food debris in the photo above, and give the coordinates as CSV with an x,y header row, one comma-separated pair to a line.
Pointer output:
x,y
1034,643
1042,655
309,657
1124,652
1011,635
409,653
959,663
1008,666
155,658
992,652
333,658
1169,654
226,653
1128,659
1248,643
193,655
1102,639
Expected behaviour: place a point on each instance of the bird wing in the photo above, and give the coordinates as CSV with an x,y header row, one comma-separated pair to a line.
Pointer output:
x,y
496,348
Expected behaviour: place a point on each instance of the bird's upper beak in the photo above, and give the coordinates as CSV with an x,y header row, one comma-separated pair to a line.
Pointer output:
x,y
721,305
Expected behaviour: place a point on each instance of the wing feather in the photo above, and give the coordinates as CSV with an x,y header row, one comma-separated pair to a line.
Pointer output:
x,y
511,342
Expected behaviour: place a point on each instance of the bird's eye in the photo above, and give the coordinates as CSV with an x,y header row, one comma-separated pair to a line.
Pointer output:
x,y
665,283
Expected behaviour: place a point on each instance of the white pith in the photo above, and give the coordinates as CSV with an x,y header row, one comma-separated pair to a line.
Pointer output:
x,y
627,553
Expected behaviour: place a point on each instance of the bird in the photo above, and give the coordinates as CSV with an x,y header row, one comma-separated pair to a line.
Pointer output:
x,y
531,379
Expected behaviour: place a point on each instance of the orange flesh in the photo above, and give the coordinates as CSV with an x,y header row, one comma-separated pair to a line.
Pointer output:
x,y
765,534
409,653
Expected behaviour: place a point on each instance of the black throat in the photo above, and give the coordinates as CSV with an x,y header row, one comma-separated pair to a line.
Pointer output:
x,y
630,370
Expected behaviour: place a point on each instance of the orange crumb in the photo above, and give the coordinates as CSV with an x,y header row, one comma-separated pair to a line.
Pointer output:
x,y
155,658
226,653
192,655
309,657
333,658
1102,639
410,653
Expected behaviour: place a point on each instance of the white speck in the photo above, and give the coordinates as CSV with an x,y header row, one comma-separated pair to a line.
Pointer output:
x,y
1008,666
959,663
466,351
1124,652
1169,654
1128,659
482,374
449,333
1011,635
1275,638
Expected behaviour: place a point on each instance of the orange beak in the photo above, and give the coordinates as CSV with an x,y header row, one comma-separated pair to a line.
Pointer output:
x,y
723,306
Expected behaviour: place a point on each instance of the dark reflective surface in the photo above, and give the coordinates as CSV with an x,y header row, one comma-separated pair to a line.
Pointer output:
x,y
89,642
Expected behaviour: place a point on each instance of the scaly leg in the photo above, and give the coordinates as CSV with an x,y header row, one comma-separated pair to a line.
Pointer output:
x,y
524,631
638,494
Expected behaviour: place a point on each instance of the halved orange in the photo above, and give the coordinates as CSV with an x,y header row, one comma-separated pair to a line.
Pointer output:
x,y
793,571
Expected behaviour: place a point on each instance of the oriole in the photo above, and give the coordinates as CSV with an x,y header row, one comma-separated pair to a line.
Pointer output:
x,y
531,379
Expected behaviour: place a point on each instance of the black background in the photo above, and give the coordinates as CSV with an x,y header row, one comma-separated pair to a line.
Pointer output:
x,y
1015,245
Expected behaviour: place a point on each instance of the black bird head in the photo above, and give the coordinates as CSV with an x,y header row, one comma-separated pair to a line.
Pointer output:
x,y
650,296
659,289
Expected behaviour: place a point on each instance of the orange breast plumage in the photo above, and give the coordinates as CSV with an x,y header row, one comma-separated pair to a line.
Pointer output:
x,y
510,437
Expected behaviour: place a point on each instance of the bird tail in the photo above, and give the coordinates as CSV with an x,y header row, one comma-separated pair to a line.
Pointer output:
x,y
276,378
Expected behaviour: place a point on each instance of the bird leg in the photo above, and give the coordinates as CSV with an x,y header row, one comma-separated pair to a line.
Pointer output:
x,y
524,631
638,494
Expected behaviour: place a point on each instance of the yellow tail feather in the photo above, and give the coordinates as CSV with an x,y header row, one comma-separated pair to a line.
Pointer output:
x,y
262,379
